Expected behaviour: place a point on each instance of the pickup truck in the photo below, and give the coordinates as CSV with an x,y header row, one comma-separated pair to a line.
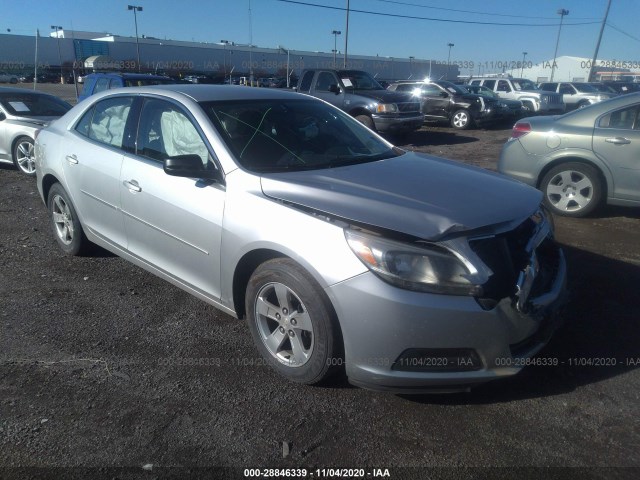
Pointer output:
x,y
359,94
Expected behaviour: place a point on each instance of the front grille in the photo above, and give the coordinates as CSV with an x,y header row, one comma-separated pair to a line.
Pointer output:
x,y
506,255
551,99
409,107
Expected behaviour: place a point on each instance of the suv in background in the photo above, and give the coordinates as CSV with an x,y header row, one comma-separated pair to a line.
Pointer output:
x,y
444,101
533,99
98,82
360,95
8,78
576,94
510,108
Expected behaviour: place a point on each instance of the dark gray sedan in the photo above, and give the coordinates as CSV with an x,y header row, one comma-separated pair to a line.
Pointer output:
x,y
582,159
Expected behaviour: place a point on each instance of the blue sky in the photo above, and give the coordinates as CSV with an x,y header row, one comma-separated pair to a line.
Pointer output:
x,y
303,27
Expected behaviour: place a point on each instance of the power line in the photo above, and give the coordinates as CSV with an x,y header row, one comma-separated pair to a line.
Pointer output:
x,y
396,2
623,32
412,17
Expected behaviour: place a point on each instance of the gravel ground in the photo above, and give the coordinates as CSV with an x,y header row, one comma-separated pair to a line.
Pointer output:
x,y
105,369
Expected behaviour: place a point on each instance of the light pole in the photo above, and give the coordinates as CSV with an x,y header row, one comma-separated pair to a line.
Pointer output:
x,y
346,38
135,9
57,28
524,55
562,12
224,57
283,49
449,58
411,59
335,34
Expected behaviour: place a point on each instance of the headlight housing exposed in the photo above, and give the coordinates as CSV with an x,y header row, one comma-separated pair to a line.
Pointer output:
x,y
387,108
429,268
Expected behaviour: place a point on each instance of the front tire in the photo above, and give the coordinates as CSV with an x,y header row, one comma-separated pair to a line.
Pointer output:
x,y
461,120
367,121
65,223
572,189
292,322
23,156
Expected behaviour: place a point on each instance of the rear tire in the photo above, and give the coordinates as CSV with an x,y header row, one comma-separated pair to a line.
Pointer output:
x,y
65,223
461,120
572,189
292,322
23,156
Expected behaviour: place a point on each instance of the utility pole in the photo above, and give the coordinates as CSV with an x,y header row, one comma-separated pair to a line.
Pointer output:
x,y
335,34
524,55
346,37
135,9
595,54
562,12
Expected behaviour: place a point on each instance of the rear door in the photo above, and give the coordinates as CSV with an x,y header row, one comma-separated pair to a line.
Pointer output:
x,y
616,140
435,102
172,223
94,150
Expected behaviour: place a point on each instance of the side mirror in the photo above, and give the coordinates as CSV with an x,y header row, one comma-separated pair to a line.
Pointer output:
x,y
334,88
188,166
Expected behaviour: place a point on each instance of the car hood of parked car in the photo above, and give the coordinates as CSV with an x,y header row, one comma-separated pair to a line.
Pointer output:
x,y
414,194
384,96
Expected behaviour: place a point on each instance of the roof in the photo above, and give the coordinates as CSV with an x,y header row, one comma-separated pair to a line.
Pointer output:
x,y
203,93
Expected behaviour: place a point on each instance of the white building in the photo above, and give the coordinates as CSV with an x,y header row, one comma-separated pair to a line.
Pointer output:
x,y
576,69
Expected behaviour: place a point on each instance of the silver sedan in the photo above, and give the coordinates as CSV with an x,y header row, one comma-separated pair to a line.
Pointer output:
x,y
343,252
580,160
22,112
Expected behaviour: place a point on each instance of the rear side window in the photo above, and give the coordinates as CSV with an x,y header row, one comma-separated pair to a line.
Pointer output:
x,y
503,86
108,121
115,83
101,85
627,119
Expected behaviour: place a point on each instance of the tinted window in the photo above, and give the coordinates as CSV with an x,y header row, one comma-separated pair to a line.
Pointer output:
x,y
566,89
490,84
115,83
305,84
165,131
325,80
406,87
503,86
431,90
33,105
141,82
84,124
109,121
101,85
627,118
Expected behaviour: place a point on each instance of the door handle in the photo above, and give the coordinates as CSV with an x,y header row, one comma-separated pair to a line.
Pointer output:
x,y
618,140
72,159
132,185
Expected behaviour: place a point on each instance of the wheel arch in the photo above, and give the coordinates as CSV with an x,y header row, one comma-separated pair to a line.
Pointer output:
x,y
14,142
603,173
360,111
47,182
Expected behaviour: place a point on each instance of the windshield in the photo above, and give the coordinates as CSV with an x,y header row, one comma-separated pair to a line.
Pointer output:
x,y
524,84
585,88
142,82
33,105
479,90
452,87
358,80
277,135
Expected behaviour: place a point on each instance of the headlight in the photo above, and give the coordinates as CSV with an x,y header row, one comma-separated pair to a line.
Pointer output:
x,y
429,269
387,108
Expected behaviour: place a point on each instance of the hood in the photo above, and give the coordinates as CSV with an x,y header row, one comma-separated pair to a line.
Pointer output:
x,y
383,96
414,194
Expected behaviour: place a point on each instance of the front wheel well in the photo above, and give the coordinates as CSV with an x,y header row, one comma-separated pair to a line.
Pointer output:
x,y
15,142
559,161
244,269
47,182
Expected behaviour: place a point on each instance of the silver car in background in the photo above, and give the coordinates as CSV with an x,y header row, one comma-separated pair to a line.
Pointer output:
x,y
343,252
580,160
22,112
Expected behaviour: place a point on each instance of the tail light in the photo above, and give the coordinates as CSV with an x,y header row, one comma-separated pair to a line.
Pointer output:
x,y
520,129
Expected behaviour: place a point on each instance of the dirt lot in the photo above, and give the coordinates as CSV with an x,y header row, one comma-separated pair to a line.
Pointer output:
x,y
105,369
